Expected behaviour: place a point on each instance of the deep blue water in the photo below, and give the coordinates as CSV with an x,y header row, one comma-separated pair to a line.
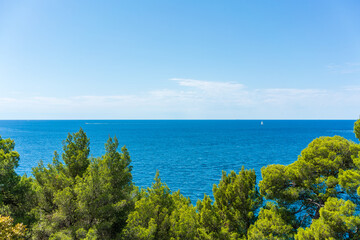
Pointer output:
x,y
190,154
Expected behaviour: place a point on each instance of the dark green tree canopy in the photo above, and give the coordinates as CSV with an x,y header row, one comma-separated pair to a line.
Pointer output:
x,y
9,160
272,223
237,198
81,197
151,216
306,184
337,221
76,151
15,191
357,129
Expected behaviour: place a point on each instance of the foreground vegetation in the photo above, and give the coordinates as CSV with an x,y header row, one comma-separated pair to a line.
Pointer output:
x,y
80,197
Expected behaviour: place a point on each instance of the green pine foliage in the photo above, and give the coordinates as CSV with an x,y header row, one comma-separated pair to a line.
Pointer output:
x,y
161,214
210,223
76,151
305,185
16,194
84,198
237,198
337,221
80,197
104,193
272,223
357,129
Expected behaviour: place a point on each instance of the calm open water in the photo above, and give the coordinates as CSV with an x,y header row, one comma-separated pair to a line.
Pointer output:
x,y
190,154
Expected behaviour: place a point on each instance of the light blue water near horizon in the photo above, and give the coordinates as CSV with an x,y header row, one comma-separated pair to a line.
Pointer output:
x,y
190,154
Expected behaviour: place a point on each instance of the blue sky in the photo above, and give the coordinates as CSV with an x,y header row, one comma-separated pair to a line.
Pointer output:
x,y
179,59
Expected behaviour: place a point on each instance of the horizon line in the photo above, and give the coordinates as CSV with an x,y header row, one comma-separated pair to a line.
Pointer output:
x,y
168,119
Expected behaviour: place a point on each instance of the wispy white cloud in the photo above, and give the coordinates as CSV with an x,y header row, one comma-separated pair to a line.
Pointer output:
x,y
346,68
285,95
207,85
193,99
215,92
355,88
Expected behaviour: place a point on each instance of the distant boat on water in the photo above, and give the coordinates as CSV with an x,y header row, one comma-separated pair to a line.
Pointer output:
x,y
262,123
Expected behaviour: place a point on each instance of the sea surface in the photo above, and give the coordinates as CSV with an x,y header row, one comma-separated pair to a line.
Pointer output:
x,y
190,154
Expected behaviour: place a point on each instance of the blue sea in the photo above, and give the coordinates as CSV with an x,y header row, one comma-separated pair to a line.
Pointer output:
x,y
190,154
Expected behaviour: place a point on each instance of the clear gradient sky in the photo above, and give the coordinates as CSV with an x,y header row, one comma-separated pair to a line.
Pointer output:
x,y
179,59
